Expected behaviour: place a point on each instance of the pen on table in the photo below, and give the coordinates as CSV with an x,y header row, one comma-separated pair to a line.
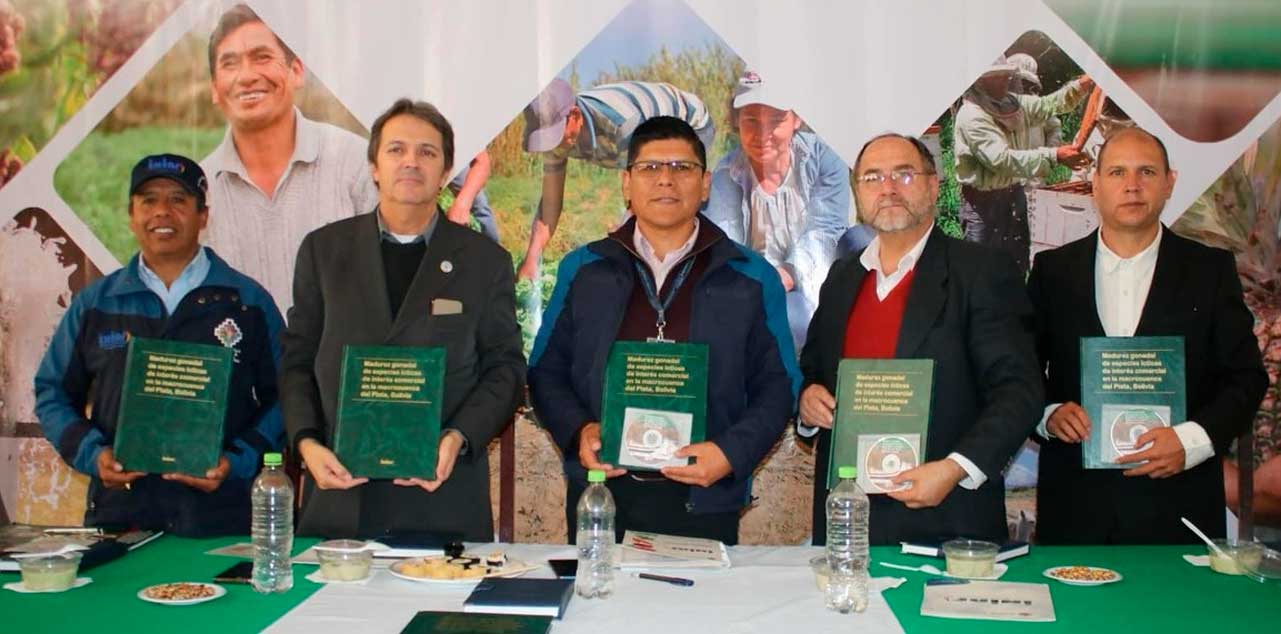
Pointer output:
x,y
676,581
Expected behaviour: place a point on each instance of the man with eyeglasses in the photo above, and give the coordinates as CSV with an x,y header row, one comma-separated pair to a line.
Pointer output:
x,y
915,293
784,193
995,156
668,275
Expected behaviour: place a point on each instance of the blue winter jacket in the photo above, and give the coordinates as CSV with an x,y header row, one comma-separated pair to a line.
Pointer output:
x,y
738,310
84,366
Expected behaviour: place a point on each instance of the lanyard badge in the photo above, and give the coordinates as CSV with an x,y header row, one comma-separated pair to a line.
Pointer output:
x,y
651,294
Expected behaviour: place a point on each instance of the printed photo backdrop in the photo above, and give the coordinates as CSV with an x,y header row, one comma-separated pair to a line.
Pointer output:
x,y
812,84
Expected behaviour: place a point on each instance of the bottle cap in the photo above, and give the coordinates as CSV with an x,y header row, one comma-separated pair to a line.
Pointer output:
x,y
271,459
595,475
847,472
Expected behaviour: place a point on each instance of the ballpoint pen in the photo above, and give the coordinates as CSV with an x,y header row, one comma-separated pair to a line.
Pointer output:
x,y
676,581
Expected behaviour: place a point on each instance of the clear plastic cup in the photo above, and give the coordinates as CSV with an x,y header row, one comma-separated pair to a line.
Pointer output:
x,y
970,558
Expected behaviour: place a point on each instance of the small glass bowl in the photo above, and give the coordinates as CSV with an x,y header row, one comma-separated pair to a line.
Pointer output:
x,y
1241,556
344,559
969,558
821,571
50,573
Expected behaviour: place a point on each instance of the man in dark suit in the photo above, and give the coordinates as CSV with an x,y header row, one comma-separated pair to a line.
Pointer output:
x,y
1135,278
915,293
400,277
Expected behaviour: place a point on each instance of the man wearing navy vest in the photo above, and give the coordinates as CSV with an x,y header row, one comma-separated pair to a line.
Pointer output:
x,y
668,273
915,293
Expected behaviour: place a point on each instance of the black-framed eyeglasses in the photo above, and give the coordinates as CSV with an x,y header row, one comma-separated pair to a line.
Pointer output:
x,y
902,177
654,168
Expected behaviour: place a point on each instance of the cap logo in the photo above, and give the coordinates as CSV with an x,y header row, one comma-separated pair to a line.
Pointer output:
x,y
750,77
166,165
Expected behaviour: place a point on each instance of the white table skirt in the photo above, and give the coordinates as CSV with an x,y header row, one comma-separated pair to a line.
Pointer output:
x,y
768,590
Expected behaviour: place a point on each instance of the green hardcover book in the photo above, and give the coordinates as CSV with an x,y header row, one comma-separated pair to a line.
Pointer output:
x,y
389,408
655,402
173,406
1129,385
469,623
882,419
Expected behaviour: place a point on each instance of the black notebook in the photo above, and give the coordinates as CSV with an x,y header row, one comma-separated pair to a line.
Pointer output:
x,y
460,623
535,597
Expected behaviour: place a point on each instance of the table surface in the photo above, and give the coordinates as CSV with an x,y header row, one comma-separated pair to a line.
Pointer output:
x,y
1160,591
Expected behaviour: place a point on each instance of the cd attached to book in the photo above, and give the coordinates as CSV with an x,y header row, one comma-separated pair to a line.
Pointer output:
x,y
651,437
884,457
1131,423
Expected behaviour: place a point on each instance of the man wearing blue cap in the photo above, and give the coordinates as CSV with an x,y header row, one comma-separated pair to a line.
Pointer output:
x,y
178,290
595,125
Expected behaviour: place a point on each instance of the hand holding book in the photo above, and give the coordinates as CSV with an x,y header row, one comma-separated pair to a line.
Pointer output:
x,y
709,466
1069,422
589,444
931,483
451,442
324,466
208,484
112,473
818,407
1161,449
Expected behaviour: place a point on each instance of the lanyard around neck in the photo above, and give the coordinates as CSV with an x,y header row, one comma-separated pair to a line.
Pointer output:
x,y
651,294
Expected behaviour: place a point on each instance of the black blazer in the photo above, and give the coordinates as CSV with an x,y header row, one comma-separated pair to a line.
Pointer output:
x,y
340,298
1196,294
968,311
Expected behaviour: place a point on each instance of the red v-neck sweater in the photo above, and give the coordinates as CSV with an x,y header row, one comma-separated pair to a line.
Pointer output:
x,y
871,332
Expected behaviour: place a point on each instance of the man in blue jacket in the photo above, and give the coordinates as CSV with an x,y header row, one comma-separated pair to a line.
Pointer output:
x,y
173,289
709,290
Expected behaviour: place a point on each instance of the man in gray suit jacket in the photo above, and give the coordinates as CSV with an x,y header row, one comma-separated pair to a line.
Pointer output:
x,y
400,277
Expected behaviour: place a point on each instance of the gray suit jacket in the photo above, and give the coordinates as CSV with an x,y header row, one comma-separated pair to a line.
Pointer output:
x,y
340,298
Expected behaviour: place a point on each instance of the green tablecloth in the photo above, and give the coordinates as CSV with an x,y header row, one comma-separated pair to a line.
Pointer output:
x,y
111,604
1160,592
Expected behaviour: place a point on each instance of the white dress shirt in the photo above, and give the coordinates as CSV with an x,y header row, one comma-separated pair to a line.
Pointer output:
x,y
885,284
664,265
1121,288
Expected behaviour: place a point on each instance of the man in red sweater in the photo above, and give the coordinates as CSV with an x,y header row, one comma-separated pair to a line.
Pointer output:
x,y
915,293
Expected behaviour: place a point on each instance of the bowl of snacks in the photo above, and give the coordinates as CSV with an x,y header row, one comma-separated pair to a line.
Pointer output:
x,y
52,572
344,559
1082,575
970,558
1236,557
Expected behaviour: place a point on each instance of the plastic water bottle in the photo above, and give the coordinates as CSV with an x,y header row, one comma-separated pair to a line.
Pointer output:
x,y
847,556
595,576
273,527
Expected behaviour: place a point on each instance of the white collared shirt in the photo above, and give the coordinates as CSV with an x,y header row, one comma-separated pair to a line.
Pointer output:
x,y
1121,288
885,284
871,260
664,265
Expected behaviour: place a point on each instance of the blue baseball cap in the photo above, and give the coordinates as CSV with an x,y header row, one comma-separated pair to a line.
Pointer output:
x,y
178,169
